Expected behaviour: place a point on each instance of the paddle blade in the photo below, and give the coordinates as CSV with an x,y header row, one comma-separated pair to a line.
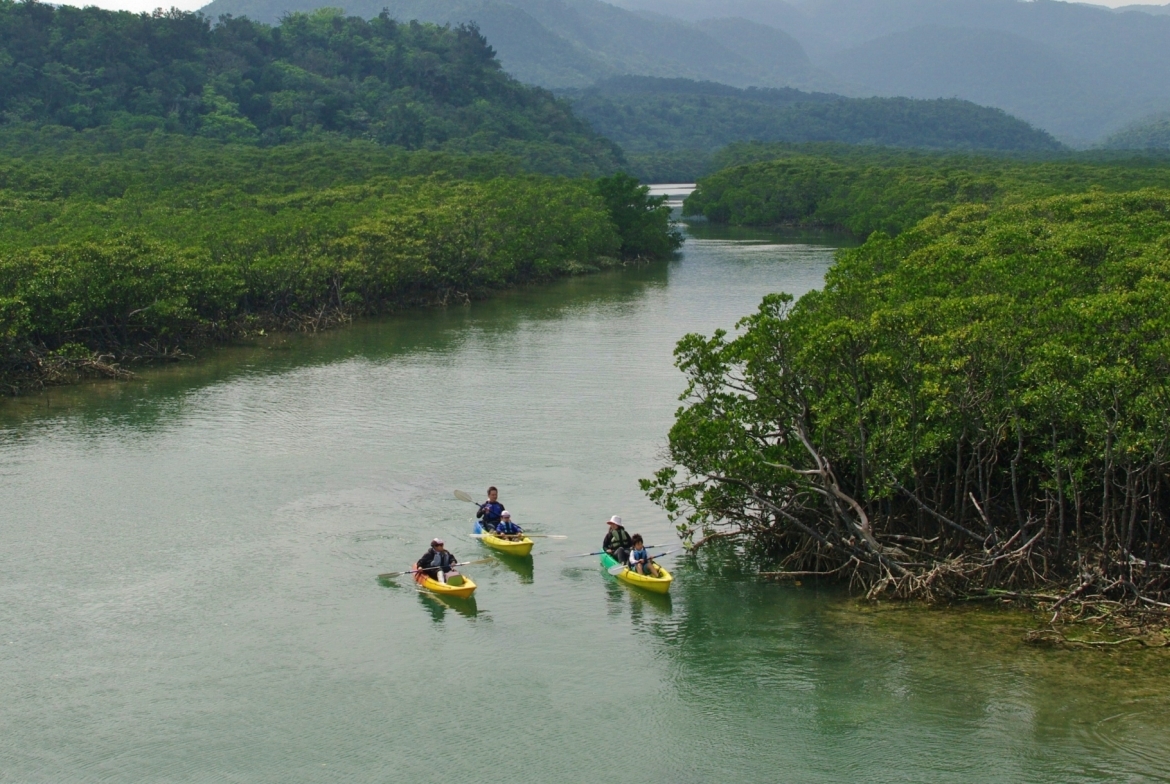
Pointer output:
x,y
462,496
616,570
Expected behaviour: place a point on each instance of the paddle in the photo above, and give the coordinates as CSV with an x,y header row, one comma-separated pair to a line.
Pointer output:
x,y
616,570
462,496
432,568
519,536
599,552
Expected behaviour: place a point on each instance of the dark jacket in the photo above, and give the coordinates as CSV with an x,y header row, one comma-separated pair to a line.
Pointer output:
x,y
446,560
615,538
490,513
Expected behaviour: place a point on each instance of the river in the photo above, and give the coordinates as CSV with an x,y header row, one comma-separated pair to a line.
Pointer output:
x,y
188,562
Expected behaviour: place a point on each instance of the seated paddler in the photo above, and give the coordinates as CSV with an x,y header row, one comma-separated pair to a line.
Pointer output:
x,y
617,542
640,560
506,528
438,563
490,511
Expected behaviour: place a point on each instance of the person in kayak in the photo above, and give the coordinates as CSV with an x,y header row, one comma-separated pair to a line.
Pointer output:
x,y
640,560
617,541
506,528
437,563
490,511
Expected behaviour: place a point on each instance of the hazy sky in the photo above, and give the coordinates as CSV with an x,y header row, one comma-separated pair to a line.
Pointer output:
x,y
191,5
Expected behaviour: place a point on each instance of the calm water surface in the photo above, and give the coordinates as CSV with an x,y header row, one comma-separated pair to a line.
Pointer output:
x,y
188,592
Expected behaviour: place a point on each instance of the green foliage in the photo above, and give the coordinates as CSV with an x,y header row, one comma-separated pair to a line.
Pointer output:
x,y
1007,370
645,115
181,244
891,191
315,76
642,220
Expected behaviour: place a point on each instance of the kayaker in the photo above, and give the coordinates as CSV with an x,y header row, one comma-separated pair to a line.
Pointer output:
x,y
617,541
507,528
640,560
437,563
490,510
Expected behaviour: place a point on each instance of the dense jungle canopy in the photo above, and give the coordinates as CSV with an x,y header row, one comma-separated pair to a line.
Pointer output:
x,y
313,76
147,253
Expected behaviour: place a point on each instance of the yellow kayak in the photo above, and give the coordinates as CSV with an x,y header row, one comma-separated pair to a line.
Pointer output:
x,y
458,586
644,581
518,547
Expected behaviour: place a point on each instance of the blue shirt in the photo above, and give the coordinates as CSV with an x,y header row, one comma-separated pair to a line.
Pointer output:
x,y
639,555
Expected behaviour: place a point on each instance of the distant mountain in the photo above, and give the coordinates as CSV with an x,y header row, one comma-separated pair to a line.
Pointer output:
x,y
1145,9
574,43
1076,70
989,67
1085,71
647,115
774,51
1150,133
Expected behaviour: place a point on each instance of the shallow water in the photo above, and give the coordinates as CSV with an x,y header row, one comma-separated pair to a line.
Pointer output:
x,y
188,561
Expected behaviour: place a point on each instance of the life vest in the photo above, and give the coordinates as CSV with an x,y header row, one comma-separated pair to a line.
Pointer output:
x,y
441,560
620,538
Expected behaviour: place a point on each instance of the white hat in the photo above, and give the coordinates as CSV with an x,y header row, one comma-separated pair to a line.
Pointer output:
x,y
436,543
506,514
615,520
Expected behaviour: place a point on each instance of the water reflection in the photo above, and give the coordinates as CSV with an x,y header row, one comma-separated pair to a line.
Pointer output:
x,y
619,594
522,566
439,606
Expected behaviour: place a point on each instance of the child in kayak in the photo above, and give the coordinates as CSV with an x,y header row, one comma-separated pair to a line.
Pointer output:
x,y
617,542
437,563
640,560
507,528
490,511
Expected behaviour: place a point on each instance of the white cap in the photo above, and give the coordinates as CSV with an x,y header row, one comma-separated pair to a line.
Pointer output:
x,y
506,514
615,520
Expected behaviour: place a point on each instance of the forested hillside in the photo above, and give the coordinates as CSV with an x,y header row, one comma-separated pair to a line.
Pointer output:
x,y
314,76
574,43
645,114
1077,70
